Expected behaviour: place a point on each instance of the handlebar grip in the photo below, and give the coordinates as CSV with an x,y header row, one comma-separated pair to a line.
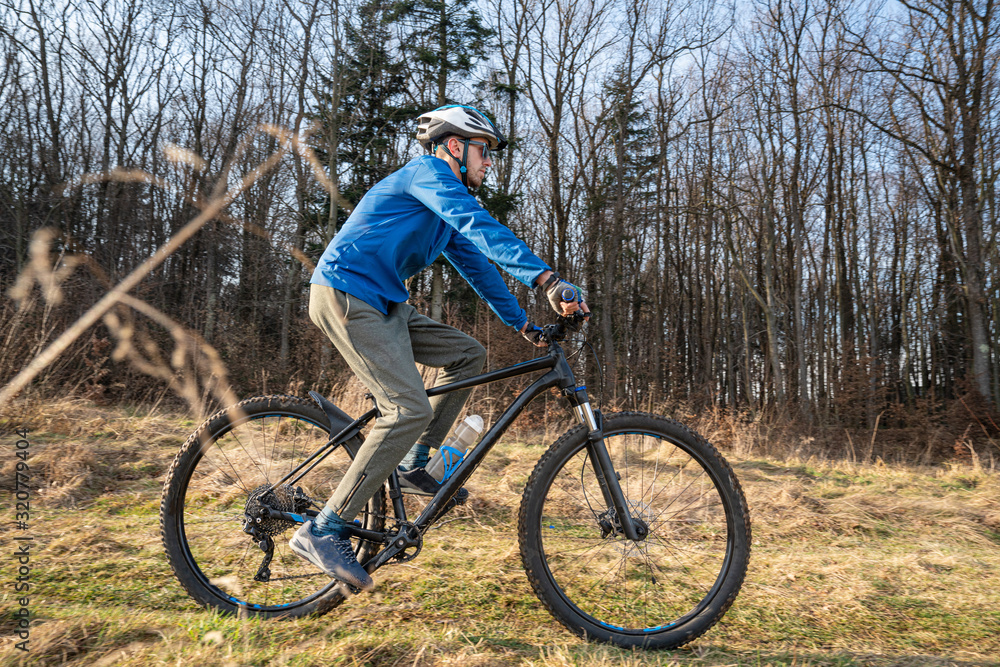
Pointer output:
x,y
568,294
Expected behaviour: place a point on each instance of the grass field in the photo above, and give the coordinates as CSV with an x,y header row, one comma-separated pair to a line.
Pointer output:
x,y
851,565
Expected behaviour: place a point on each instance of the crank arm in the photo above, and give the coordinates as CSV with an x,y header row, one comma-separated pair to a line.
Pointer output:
x,y
306,515
400,543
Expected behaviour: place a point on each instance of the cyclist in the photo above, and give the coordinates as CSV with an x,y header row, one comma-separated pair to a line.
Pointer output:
x,y
358,298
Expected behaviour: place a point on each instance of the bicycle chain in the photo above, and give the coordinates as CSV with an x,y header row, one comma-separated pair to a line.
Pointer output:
x,y
287,499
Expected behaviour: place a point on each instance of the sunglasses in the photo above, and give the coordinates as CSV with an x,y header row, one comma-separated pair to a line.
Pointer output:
x,y
486,148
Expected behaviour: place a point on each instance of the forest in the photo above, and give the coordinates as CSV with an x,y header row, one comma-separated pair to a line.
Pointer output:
x,y
784,211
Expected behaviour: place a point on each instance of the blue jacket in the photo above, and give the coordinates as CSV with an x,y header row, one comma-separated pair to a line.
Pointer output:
x,y
405,222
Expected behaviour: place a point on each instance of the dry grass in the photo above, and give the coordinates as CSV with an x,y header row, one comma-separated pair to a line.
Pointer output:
x,y
853,564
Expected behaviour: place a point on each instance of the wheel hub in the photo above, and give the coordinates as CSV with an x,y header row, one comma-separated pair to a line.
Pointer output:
x,y
610,523
284,498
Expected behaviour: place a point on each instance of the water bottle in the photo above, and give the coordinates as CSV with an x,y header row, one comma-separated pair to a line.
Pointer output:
x,y
447,458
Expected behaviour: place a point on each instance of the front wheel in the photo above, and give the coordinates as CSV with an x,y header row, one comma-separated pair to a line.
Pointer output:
x,y
676,581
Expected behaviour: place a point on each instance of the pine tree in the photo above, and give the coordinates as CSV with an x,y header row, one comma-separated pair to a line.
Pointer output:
x,y
363,116
442,41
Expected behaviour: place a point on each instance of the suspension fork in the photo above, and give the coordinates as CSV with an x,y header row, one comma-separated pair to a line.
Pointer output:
x,y
607,478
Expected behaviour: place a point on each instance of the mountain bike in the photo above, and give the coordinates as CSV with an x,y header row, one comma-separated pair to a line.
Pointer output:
x,y
632,528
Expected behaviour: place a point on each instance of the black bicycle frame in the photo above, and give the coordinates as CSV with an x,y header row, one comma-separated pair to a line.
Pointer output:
x,y
559,375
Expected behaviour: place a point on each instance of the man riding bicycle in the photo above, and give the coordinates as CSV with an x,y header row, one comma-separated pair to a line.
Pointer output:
x,y
358,298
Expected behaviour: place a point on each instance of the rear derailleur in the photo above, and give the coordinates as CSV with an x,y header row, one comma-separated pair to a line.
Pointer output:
x,y
259,523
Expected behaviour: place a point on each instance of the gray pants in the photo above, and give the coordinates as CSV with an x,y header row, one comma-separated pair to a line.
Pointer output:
x,y
383,351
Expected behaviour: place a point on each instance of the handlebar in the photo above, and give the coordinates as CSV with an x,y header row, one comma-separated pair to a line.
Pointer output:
x,y
565,326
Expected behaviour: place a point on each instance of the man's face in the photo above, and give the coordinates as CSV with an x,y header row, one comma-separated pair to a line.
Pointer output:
x,y
475,165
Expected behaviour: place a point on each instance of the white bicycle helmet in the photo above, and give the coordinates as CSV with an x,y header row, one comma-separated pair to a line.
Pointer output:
x,y
460,120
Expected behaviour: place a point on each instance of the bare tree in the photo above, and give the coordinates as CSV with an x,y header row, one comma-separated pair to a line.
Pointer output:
x,y
936,108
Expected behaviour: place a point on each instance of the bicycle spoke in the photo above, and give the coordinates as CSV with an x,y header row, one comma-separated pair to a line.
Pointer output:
x,y
665,487
679,561
584,565
717,503
234,481
254,461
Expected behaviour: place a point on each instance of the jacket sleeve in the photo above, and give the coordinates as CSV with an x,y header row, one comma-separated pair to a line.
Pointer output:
x,y
437,188
485,280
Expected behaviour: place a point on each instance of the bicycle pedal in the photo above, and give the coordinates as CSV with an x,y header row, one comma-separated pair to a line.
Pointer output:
x,y
346,589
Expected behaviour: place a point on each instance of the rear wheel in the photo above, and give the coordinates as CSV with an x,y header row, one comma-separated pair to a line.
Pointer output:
x,y
222,473
671,585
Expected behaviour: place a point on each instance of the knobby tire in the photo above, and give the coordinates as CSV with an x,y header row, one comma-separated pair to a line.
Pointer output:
x,y
233,454
664,590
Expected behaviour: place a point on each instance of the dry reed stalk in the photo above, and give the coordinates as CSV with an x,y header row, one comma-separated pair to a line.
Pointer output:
x,y
139,176
204,357
40,270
